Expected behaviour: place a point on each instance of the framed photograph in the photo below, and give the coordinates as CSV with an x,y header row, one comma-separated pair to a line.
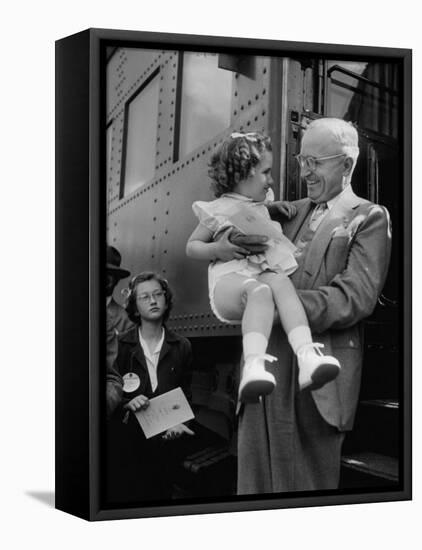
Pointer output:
x,y
233,274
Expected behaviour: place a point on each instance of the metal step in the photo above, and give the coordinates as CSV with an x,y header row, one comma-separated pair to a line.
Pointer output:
x,y
383,403
206,466
368,469
376,429
381,373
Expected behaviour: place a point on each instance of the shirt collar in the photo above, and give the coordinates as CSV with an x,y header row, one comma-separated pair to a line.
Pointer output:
x,y
145,345
347,191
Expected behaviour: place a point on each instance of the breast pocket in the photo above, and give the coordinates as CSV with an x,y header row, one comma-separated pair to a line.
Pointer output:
x,y
336,256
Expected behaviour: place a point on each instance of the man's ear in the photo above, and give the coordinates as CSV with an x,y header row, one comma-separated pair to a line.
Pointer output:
x,y
348,165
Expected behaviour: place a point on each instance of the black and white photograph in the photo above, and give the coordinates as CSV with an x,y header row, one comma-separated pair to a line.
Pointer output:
x,y
211,275
254,289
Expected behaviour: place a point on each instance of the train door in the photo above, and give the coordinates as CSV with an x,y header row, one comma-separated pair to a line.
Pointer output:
x,y
366,94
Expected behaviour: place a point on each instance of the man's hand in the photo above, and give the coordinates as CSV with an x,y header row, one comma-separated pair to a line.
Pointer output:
x,y
284,208
251,244
227,249
137,403
176,432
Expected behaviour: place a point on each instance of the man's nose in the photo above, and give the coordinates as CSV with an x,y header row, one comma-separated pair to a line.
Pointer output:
x,y
305,171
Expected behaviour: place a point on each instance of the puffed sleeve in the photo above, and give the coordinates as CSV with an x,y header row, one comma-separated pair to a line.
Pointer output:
x,y
207,216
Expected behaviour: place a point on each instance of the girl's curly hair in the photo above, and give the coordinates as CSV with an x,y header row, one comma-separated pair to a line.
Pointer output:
x,y
131,308
234,159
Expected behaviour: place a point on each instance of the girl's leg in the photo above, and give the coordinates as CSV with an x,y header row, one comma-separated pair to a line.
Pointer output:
x,y
290,309
235,296
238,297
315,369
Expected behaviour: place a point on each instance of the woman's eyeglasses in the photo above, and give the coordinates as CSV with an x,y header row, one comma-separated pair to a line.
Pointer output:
x,y
156,295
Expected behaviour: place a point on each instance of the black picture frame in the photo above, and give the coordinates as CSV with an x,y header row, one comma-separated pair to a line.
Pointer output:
x,y
80,261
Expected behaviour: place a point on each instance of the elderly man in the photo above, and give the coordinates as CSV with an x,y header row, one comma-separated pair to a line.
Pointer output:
x,y
291,440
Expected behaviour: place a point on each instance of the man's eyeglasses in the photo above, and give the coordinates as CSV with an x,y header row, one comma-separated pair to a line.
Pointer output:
x,y
311,162
156,295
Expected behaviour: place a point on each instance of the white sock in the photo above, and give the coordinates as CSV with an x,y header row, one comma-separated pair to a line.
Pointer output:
x,y
299,336
254,343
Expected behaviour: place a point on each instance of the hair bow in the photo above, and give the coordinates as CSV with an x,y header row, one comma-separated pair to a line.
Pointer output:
x,y
251,136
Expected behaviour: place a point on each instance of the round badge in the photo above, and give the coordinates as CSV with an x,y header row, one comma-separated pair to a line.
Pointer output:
x,y
131,382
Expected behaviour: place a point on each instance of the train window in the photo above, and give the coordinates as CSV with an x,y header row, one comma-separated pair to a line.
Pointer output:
x,y
141,115
365,93
205,101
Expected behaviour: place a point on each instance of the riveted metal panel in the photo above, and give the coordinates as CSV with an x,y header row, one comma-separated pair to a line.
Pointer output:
x,y
115,162
300,96
166,111
151,226
248,92
126,72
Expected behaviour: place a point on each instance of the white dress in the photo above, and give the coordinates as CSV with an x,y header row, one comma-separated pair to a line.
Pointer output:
x,y
217,215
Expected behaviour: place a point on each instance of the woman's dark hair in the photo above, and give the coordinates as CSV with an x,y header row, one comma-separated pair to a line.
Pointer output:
x,y
131,308
234,159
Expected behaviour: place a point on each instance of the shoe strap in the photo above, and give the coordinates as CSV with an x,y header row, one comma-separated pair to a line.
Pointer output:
x,y
264,357
313,346
268,357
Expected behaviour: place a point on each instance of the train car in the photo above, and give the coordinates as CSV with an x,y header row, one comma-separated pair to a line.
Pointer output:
x,y
167,110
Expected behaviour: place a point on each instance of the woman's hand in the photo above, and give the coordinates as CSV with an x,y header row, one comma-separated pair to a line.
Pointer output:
x,y
137,403
176,432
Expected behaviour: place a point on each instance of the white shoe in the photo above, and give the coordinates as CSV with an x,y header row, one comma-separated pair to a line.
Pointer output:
x,y
256,381
315,369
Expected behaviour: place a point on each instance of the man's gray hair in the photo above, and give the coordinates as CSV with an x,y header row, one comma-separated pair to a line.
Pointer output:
x,y
344,133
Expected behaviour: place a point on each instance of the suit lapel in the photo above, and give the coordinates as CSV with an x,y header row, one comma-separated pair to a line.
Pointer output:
x,y
111,309
132,337
340,214
139,356
169,337
165,348
292,228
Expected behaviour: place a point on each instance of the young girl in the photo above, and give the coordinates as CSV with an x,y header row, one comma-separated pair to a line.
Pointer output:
x,y
246,289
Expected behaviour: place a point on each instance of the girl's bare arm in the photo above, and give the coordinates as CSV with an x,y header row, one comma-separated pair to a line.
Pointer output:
x,y
201,247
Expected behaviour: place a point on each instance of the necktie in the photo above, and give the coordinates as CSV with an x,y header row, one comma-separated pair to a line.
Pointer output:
x,y
317,215
315,219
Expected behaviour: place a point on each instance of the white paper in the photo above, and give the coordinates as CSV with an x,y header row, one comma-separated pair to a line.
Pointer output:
x,y
164,412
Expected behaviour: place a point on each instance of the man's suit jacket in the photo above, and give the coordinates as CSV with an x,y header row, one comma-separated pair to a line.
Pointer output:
x,y
118,318
342,274
117,322
114,387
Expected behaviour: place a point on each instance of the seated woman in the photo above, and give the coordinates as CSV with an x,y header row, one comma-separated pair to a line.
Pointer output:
x,y
151,360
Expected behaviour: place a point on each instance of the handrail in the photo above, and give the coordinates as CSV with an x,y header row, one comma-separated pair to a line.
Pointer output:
x,y
361,78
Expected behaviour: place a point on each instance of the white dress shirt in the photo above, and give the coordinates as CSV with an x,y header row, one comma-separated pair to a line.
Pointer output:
x,y
152,358
322,210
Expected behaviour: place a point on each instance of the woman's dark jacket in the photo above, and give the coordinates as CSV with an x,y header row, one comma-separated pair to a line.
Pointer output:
x,y
174,365
139,469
